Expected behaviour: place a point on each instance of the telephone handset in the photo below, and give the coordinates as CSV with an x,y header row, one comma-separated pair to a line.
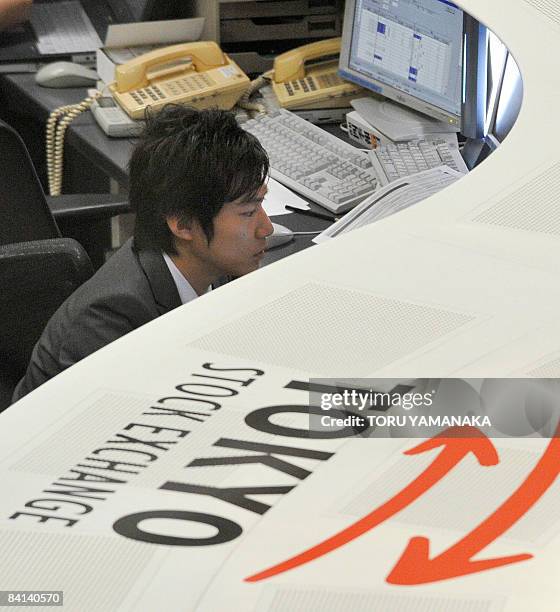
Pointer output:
x,y
300,87
198,74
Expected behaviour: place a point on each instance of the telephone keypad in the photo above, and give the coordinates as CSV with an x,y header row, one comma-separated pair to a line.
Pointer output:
x,y
329,80
186,85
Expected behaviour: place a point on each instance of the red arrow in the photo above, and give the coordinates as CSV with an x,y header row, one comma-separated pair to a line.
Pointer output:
x,y
415,565
457,442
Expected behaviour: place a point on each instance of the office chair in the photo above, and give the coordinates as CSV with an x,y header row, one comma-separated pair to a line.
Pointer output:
x,y
36,277
27,214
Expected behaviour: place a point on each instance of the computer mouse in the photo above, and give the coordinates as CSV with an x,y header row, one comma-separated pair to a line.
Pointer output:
x,y
280,236
65,74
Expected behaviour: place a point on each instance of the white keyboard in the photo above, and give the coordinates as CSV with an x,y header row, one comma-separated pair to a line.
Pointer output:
x,y
400,160
63,27
314,163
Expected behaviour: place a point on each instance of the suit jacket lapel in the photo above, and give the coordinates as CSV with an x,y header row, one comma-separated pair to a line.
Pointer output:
x,y
160,279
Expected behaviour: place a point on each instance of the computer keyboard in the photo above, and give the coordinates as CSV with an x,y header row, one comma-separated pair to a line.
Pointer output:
x,y
314,163
63,27
400,160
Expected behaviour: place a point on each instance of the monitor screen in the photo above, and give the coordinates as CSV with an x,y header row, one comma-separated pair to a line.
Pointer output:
x,y
508,101
496,56
493,88
408,50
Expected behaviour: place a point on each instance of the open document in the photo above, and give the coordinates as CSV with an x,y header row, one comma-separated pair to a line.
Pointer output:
x,y
391,199
278,196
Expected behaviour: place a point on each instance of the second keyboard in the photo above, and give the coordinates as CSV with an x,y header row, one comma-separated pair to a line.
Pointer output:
x,y
395,161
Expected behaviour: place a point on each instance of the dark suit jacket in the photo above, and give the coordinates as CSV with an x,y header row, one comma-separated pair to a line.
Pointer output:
x,y
132,288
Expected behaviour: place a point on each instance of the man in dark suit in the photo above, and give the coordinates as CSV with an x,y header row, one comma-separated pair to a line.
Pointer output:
x,y
197,182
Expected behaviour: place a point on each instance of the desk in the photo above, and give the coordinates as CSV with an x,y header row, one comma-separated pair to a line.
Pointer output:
x,y
463,284
109,155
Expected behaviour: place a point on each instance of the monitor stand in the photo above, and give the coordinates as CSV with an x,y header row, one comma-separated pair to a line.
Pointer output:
x,y
397,122
475,151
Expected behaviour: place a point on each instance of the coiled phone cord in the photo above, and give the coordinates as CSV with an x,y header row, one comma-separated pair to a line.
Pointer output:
x,y
57,124
245,103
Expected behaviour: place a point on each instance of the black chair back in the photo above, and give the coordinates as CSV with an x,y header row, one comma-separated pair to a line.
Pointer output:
x,y
24,212
36,277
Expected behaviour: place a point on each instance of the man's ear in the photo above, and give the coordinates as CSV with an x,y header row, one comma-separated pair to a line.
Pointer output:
x,y
179,228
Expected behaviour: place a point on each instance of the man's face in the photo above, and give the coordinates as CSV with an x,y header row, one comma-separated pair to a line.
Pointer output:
x,y
238,243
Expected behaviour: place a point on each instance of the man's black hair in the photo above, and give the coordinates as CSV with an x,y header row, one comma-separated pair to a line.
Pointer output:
x,y
187,165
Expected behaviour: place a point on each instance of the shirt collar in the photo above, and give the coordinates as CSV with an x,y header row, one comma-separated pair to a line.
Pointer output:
x,y
184,288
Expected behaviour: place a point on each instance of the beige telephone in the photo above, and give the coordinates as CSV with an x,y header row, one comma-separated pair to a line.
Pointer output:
x,y
298,87
198,74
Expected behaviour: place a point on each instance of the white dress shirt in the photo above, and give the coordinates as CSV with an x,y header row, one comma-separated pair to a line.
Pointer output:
x,y
184,288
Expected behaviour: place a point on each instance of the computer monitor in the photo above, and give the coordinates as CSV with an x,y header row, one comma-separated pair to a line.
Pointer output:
x,y
407,50
509,101
474,96
505,107
492,92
